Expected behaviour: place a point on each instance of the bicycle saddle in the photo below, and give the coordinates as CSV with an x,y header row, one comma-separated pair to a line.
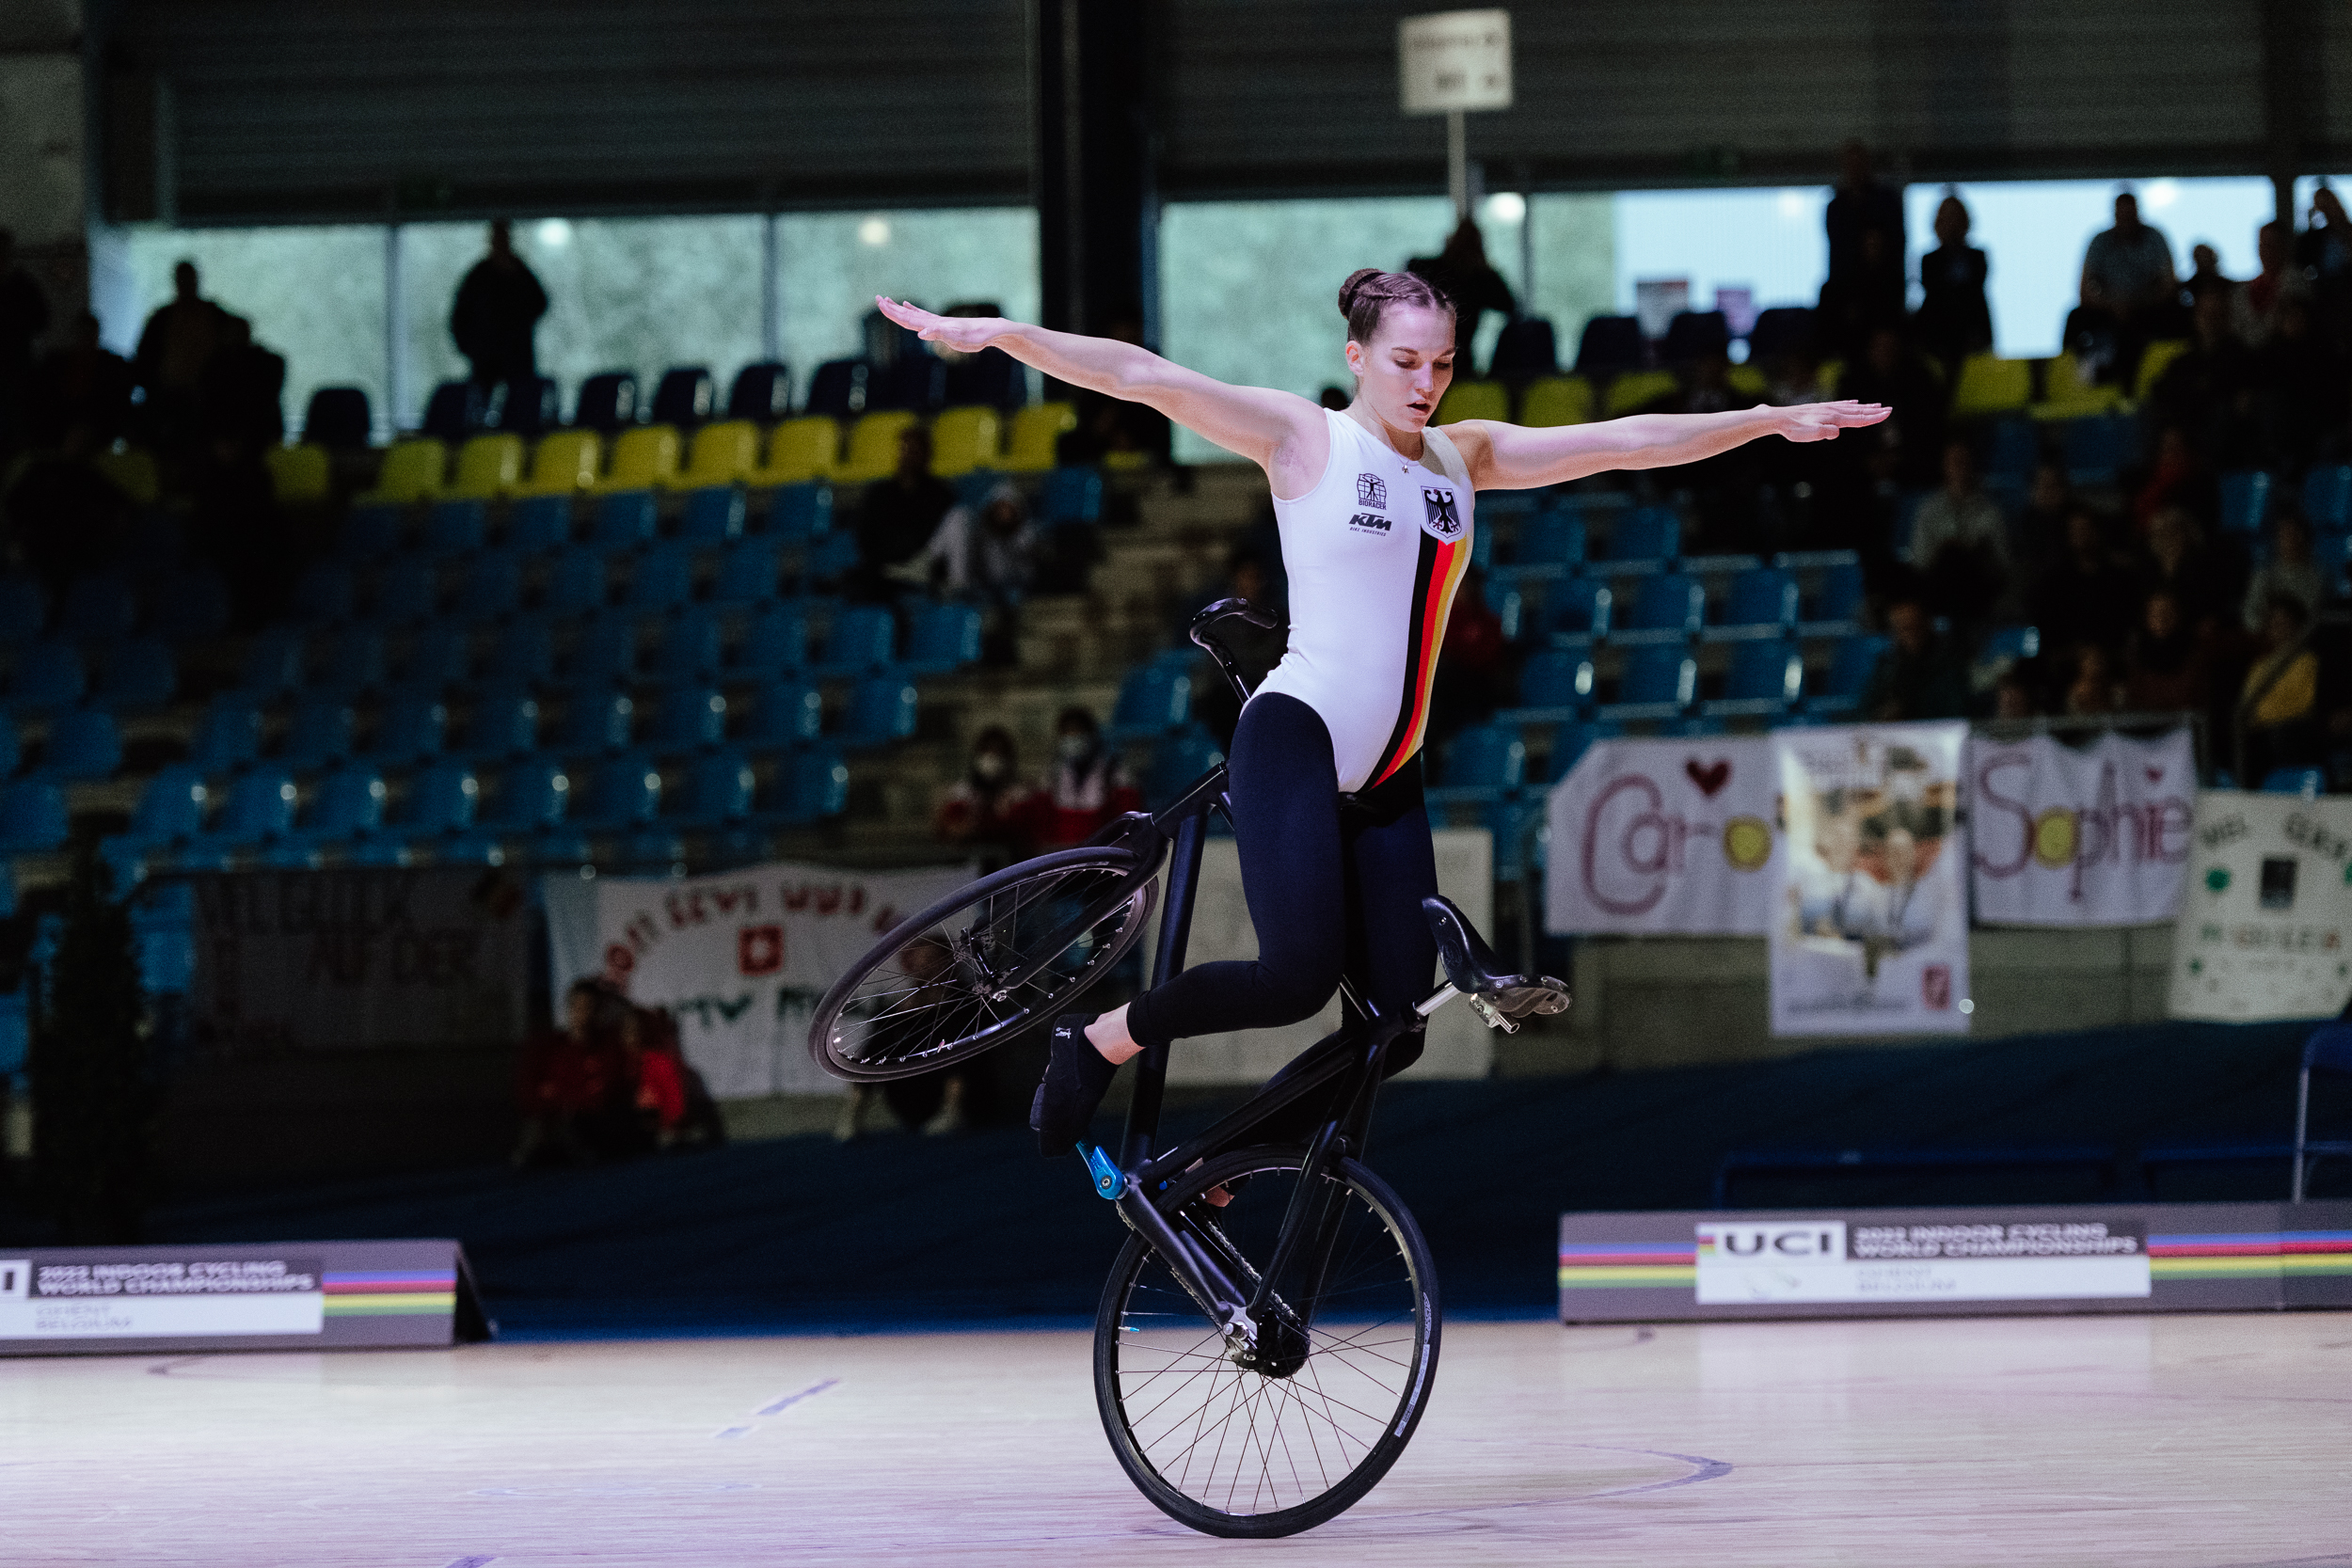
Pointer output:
x,y
1471,967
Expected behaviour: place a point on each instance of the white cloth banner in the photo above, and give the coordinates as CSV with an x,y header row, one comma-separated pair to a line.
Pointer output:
x,y
1665,835
1871,934
2268,910
740,960
2091,837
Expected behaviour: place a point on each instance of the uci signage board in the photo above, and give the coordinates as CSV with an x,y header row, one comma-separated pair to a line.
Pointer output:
x,y
1453,61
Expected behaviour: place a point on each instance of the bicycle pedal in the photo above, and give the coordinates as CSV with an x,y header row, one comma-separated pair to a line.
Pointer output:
x,y
1109,1181
1494,1019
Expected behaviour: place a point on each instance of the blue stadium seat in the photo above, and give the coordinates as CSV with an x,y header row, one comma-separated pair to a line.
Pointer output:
x,y
456,526
438,656
692,645
1836,610
1852,663
2009,644
258,810
1509,606
685,397
776,640
525,405
749,572
170,812
1555,683
1515,826
230,736
1071,495
323,730
839,387
1762,602
1659,683
191,605
861,639
351,662
99,607
882,710
141,673
662,578
624,519
1551,542
800,511
1695,335
348,805
2245,499
536,523
624,792
605,650
690,719
1766,679
762,392
809,785
2327,496
324,595
407,590
410,728
1645,540
455,410
371,529
1154,699
1484,763
524,653
1178,760
492,589
339,418
49,675
11,749
607,402
2096,448
1667,608
828,559
598,719
786,713
576,582
991,376
503,721
24,609
942,639
157,546
2310,782
2012,449
1569,743
529,802
713,515
441,801
83,745
33,818
719,789
1577,612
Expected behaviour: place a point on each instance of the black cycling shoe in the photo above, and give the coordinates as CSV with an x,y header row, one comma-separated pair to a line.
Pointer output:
x,y
1076,1078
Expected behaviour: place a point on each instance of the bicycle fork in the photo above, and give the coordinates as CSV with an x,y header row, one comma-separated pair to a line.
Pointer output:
x,y
1212,1289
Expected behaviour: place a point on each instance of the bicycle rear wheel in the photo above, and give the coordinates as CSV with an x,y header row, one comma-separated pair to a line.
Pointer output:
x,y
1239,1451
930,993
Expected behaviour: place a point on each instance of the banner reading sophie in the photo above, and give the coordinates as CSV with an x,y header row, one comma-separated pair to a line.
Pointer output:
x,y
1870,936
2266,917
2090,837
740,958
1665,835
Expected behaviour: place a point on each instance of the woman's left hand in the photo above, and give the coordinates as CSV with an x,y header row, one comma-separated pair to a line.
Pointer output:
x,y
1821,421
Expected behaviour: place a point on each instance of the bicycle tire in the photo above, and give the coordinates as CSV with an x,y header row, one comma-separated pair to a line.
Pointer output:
x,y
900,1010
1159,1363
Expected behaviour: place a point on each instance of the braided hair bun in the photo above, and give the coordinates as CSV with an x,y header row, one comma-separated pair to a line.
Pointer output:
x,y
1368,292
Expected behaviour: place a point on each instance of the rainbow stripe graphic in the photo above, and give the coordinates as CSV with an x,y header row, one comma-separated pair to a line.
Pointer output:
x,y
390,1292
1639,1265
2250,1255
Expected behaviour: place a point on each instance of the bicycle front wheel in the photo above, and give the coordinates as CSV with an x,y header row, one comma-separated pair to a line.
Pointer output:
x,y
932,992
1282,1446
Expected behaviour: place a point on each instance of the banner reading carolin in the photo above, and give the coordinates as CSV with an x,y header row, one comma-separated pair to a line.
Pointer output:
x,y
1872,933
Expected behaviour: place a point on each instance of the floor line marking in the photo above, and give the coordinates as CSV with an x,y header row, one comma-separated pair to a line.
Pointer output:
x,y
473,1562
780,1406
732,1431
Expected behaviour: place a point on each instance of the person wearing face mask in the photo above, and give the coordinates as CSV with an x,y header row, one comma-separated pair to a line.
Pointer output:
x,y
987,810
1087,787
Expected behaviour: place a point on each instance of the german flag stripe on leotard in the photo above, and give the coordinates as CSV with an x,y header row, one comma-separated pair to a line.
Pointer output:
x,y
1435,577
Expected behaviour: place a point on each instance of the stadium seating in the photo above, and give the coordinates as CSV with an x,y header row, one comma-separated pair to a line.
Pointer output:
x,y
1637,390
762,392
607,403
799,451
1577,613
301,475
413,470
643,458
576,582
942,638
1645,539
684,397
881,709
1473,400
1031,444
861,639
689,718
1766,680
966,440
873,447
1154,699
339,418
2154,361
1659,683
1762,602
626,519
1178,760
1482,764
692,643
2327,496
1665,610
456,526
492,588
786,713
712,516
83,744
1851,664
409,728
1556,400
33,818
503,721
1609,344
406,591
722,453
49,676
323,730
2068,394
564,462
2245,501
1991,384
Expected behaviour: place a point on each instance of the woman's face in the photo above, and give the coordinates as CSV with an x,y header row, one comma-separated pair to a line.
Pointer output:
x,y
2163,616
1407,367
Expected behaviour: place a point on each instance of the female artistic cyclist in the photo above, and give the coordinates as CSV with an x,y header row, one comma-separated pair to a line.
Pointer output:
x,y
1375,506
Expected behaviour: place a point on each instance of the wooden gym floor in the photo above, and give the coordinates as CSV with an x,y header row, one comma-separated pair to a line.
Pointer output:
x,y
2190,1441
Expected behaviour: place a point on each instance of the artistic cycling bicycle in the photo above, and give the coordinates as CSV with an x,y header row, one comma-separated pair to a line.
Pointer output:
x,y
1265,1343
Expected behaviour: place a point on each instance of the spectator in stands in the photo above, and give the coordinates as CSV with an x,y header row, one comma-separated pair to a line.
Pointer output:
x,y
987,555
2300,380
1960,541
64,518
2038,536
2180,477
1891,373
2276,706
24,317
1863,206
2014,696
242,390
2255,305
494,318
1087,787
2206,276
2171,671
2290,571
82,385
1953,320
1463,274
2208,391
1858,301
174,347
986,812
2094,687
1919,675
2130,293
2178,561
2325,251
570,1078
900,516
2087,594
653,1080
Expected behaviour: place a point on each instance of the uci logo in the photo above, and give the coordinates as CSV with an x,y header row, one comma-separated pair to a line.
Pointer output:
x,y
1444,515
1810,1242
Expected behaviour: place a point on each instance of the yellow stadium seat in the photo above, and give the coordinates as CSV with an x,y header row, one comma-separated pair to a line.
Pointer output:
x,y
412,471
1638,390
644,458
964,439
300,476
1029,447
564,462
132,471
874,446
1473,400
1747,380
2154,361
1556,400
1829,373
2065,395
799,451
1991,384
723,454
487,466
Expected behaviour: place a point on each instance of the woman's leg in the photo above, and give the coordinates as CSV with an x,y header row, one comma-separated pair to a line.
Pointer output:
x,y
1391,868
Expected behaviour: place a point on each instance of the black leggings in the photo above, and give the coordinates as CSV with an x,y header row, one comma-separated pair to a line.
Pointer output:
x,y
1331,892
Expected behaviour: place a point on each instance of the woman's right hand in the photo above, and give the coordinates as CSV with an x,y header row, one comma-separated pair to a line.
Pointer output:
x,y
969,334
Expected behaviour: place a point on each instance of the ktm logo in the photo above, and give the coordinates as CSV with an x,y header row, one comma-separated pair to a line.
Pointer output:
x,y
1366,523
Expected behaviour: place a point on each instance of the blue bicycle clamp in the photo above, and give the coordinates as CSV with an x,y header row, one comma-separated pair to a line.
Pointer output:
x,y
1109,1181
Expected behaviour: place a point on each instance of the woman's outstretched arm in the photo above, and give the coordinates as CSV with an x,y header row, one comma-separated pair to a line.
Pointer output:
x,y
1515,457
1280,432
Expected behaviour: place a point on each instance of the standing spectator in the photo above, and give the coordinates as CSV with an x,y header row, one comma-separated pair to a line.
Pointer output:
x,y
244,388
1891,373
987,555
1863,206
178,343
570,1078
1463,276
2204,274
1960,541
80,384
900,516
2087,594
496,316
2208,391
1953,321
2290,571
986,812
1087,787
1919,675
1867,297
2130,292
2170,670
652,1080
2325,251
2255,306
24,317
2275,727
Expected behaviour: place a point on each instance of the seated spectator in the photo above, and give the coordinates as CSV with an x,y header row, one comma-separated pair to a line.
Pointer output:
x,y
2093,689
2300,382
1087,787
2130,295
2276,707
2291,571
80,384
2180,477
2170,669
2039,534
2014,696
698,1120
2178,561
2256,306
1462,272
2087,594
569,1078
2207,392
989,555
1953,320
1919,675
1960,541
64,518
655,1082
986,812
1890,373
901,515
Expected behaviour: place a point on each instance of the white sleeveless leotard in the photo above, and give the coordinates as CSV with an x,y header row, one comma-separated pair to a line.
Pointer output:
x,y
1375,552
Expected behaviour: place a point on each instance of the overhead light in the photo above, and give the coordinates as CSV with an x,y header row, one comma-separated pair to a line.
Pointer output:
x,y
2159,194
1506,207
555,233
874,231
